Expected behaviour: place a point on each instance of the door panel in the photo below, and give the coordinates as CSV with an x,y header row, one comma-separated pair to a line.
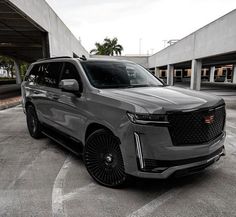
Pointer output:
x,y
68,112
48,84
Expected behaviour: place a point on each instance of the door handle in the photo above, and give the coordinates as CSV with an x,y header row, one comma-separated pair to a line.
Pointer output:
x,y
36,92
55,97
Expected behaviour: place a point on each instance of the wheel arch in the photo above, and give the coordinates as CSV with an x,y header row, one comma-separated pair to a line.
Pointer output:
x,y
92,127
28,103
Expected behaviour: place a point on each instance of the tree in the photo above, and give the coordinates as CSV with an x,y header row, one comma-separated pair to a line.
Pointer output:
x,y
7,64
99,50
108,47
113,46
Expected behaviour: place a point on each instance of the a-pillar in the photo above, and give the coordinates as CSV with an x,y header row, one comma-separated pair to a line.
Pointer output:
x,y
157,72
196,75
234,74
212,74
170,75
17,71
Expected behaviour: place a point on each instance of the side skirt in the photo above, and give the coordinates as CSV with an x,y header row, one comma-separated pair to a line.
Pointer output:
x,y
64,140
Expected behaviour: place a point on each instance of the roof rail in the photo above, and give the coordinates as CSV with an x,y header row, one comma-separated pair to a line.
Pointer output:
x,y
51,58
83,57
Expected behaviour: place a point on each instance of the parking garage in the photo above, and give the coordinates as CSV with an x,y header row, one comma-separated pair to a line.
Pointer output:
x,y
20,37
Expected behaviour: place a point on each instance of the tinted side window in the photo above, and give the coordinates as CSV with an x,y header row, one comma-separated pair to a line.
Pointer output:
x,y
70,72
50,74
33,75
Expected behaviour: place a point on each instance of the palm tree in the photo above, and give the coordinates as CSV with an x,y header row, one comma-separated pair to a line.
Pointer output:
x,y
113,46
109,47
99,50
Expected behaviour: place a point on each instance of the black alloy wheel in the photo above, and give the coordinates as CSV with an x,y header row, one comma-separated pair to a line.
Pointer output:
x,y
103,159
33,123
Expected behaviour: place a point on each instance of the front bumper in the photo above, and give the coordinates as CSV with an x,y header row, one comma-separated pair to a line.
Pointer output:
x,y
156,147
182,170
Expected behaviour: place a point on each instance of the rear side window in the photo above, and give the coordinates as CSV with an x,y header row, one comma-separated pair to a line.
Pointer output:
x,y
49,74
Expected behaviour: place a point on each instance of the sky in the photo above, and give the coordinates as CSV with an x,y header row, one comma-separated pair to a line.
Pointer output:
x,y
138,24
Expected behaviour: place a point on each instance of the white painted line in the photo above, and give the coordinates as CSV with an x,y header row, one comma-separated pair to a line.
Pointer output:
x,y
57,192
77,192
150,207
58,198
230,125
24,171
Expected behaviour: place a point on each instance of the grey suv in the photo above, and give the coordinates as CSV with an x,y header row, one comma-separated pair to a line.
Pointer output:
x,y
122,119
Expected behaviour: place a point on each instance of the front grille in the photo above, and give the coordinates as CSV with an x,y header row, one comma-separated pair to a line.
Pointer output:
x,y
193,128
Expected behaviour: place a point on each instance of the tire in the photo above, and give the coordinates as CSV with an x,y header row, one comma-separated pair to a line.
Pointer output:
x,y
33,123
103,159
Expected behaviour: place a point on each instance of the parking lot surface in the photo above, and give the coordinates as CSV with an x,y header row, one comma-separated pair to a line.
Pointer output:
x,y
40,178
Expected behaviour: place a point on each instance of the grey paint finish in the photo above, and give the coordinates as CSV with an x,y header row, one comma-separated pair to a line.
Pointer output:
x,y
72,115
32,169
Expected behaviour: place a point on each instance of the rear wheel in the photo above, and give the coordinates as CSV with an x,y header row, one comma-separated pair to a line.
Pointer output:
x,y
33,123
103,159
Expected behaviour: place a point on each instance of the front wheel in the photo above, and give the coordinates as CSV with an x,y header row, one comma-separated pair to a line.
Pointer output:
x,y
33,123
103,159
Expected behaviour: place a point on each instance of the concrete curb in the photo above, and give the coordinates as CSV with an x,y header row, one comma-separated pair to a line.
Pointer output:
x,y
10,105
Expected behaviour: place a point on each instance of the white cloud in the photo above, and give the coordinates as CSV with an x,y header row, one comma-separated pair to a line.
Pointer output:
x,y
130,20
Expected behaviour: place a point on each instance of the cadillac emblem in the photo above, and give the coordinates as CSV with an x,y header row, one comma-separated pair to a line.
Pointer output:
x,y
209,119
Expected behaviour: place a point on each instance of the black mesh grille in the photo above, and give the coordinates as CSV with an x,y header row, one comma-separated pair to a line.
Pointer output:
x,y
198,127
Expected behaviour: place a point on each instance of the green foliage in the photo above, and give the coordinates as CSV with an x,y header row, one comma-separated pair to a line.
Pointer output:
x,y
23,68
7,64
109,47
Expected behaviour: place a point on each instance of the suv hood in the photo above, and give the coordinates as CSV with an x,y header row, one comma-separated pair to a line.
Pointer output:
x,y
162,99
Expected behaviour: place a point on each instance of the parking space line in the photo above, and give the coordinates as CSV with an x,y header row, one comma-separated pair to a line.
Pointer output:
x,y
57,191
154,204
24,171
86,189
229,124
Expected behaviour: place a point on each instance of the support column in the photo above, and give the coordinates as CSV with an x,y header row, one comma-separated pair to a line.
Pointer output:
x,y
212,74
17,72
45,45
234,74
196,75
170,75
226,76
157,72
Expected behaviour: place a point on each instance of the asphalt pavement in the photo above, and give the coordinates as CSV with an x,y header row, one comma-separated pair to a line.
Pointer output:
x,y
40,178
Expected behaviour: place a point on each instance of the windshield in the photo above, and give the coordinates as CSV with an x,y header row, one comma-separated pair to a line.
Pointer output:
x,y
104,74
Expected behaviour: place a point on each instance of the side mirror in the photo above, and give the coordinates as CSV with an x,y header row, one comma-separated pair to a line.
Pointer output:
x,y
69,85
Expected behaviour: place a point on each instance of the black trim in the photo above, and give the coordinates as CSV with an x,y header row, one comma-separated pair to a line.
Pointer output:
x,y
151,164
197,110
192,170
68,142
